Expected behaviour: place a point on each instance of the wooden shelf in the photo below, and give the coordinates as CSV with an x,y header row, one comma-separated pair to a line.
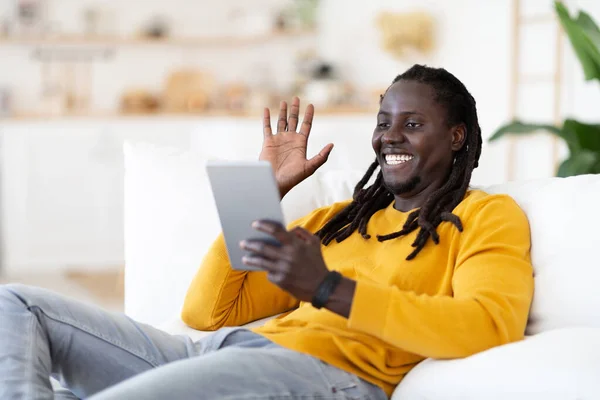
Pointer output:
x,y
142,41
346,110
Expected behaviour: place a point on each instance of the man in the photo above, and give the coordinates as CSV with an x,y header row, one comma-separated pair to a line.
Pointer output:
x,y
414,266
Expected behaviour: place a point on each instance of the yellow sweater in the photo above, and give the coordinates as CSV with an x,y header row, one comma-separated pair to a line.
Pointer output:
x,y
467,294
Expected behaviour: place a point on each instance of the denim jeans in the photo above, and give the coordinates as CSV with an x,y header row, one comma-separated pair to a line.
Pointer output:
x,y
105,356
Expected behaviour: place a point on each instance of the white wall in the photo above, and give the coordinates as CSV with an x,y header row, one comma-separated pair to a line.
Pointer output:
x,y
473,42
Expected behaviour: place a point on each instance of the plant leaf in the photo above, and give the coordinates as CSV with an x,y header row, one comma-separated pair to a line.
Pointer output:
x,y
580,163
592,34
587,135
589,26
585,46
520,128
596,168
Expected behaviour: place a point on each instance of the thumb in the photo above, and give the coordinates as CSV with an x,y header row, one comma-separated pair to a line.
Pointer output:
x,y
317,161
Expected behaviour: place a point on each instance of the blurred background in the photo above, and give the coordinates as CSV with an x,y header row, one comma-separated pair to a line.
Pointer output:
x,y
78,78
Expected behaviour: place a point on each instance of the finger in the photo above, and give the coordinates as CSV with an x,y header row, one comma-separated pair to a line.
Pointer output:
x,y
282,121
277,278
317,161
260,262
307,121
262,249
274,229
267,123
294,112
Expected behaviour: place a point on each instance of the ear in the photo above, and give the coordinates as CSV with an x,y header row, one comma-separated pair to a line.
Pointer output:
x,y
459,136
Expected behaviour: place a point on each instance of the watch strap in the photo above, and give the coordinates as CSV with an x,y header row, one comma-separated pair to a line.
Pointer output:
x,y
325,289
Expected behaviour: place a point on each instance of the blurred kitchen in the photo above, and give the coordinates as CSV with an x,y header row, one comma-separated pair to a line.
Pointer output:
x,y
79,78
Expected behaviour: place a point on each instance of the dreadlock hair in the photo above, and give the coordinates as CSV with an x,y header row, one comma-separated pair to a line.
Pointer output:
x,y
461,109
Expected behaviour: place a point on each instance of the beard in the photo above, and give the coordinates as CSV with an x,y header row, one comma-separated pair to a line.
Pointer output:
x,y
403,187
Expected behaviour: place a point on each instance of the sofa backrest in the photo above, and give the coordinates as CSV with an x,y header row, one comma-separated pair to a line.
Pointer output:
x,y
170,220
565,249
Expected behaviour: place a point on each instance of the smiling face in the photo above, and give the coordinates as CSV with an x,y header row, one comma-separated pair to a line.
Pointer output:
x,y
413,141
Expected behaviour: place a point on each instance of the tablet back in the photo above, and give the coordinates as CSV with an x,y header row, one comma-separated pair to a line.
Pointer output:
x,y
244,192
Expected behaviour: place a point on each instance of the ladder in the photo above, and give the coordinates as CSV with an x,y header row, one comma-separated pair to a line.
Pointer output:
x,y
518,79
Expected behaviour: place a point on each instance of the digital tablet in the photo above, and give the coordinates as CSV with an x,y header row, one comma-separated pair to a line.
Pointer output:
x,y
244,191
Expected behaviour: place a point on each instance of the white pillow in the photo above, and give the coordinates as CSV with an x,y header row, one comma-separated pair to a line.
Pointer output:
x,y
169,224
564,220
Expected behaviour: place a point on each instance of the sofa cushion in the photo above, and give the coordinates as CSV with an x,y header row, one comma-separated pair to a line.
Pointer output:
x,y
554,365
165,238
564,230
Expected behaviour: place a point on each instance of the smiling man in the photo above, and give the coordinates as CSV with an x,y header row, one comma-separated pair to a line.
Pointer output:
x,y
413,266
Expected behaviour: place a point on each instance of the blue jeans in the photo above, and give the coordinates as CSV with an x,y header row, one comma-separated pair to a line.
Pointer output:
x,y
108,356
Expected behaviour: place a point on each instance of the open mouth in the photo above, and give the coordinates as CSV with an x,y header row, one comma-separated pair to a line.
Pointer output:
x,y
397,159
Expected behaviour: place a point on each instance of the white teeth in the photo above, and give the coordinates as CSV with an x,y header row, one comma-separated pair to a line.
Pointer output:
x,y
395,159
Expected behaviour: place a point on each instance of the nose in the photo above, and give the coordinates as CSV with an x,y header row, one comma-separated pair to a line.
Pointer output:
x,y
393,135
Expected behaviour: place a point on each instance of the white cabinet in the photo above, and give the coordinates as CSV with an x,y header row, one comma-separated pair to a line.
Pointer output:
x,y
59,197
62,190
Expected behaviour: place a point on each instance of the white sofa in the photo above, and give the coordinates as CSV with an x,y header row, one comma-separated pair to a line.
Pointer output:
x,y
170,221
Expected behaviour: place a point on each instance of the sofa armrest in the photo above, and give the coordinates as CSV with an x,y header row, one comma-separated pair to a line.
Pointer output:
x,y
554,365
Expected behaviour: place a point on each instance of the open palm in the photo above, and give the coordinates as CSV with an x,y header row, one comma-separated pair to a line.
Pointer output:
x,y
286,150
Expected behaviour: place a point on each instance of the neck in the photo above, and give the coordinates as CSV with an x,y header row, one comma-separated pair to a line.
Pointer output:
x,y
405,202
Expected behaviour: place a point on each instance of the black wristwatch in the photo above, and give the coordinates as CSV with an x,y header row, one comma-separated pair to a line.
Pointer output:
x,y
326,288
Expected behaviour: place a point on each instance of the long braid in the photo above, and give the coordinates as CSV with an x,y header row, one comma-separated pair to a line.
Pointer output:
x,y
333,228
361,184
438,207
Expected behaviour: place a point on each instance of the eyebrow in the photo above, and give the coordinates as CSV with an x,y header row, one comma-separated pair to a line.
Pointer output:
x,y
401,113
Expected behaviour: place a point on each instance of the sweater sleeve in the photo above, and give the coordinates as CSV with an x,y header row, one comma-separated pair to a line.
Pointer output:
x,y
221,296
492,292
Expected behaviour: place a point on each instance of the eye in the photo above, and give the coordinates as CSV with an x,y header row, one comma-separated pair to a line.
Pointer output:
x,y
413,125
383,125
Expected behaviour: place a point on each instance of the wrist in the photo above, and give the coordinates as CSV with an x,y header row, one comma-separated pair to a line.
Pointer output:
x,y
340,301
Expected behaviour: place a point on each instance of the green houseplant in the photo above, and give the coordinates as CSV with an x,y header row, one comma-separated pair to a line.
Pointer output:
x,y
583,140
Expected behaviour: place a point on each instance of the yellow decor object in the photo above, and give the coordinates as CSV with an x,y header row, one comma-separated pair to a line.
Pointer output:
x,y
405,31
188,90
139,101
